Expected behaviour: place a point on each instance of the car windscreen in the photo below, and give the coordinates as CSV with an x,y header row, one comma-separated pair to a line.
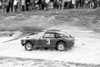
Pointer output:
x,y
49,35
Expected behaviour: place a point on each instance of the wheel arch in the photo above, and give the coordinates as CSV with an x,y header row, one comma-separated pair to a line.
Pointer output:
x,y
61,41
29,41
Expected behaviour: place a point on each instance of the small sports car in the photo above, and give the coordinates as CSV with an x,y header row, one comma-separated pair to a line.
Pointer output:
x,y
50,38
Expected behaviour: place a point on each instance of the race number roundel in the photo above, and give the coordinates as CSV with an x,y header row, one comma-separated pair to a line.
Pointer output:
x,y
48,41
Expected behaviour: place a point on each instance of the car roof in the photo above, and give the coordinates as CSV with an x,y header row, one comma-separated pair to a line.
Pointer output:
x,y
52,31
60,32
56,31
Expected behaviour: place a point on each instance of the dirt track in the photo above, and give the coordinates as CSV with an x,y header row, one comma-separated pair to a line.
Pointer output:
x,y
23,62
86,49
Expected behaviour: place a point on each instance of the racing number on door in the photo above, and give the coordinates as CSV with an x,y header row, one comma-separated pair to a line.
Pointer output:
x,y
48,41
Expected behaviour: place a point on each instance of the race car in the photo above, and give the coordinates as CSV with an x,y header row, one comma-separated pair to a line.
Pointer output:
x,y
50,38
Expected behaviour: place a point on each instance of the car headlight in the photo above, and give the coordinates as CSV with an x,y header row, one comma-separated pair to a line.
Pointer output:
x,y
23,41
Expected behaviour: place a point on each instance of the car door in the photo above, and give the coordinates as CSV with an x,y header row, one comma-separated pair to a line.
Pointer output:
x,y
48,40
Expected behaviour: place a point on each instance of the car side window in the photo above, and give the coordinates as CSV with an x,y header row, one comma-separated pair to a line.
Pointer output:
x,y
48,35
60,35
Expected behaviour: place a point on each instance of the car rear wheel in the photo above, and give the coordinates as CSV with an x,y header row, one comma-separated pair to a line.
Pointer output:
x,y
61,46
28,46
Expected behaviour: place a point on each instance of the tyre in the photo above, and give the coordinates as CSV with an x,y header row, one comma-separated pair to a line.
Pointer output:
x,y
28,46
61,46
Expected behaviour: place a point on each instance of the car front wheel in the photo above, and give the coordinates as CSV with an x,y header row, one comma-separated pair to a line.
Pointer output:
x,y
61,46
28,46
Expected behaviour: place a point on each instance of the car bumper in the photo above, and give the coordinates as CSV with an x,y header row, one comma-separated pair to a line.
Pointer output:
x,y
71,44
23,42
